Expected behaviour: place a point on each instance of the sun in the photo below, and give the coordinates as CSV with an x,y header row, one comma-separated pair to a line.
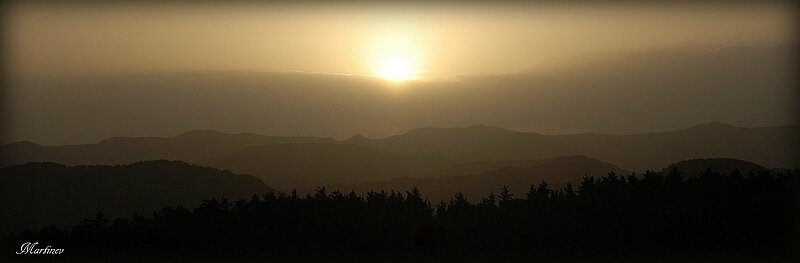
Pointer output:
x,y
396,59
396,67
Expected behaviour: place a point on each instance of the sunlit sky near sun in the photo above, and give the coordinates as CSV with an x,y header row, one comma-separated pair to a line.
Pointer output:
x,y
394,43
396,57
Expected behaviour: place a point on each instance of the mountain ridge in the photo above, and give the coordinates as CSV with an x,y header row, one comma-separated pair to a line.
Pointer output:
x,y
775,147
556,172
45,193
291,165
188,146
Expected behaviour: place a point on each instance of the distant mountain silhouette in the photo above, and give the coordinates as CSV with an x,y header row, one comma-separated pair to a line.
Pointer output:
x,y
38,194
487,166
288,162
557,173
694,167
314,164
189,146
771,146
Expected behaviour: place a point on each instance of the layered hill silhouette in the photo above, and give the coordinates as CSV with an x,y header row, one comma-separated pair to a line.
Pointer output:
x,y
695,167
770,146
39,194
189,146
487,166
314,164
556,172
288,162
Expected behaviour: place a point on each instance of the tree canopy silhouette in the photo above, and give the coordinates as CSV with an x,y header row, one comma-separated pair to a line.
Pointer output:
x,y
660,213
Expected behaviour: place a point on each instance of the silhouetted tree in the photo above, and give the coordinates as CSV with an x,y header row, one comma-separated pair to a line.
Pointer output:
x,y
652,213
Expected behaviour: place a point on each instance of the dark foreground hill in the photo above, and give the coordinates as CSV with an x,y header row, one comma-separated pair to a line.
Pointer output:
x,y
655,217
557,172
696,167
314,164
37,194
189,146
771,146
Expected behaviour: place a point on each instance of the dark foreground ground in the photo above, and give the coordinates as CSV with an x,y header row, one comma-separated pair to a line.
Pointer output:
x,y
655,217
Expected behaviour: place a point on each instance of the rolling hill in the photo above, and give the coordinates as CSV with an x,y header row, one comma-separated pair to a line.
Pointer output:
x,y
694,167
189,146
556,172
487,166
40,194
313,164
288,162
771,146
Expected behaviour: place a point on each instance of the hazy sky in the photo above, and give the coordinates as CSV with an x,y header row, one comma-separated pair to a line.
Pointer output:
x,y
355,39
82,73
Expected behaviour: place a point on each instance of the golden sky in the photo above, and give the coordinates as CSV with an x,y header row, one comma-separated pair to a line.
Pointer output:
x,y
420,40
80,73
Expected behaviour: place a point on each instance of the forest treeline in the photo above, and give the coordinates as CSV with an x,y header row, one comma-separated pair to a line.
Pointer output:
x,y
655,212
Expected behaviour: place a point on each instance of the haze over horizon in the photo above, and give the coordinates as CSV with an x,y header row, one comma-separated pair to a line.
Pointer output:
x,y
83,73
360,136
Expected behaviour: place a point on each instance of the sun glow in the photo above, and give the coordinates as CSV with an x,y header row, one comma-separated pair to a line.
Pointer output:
x,y
396,67
396,59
